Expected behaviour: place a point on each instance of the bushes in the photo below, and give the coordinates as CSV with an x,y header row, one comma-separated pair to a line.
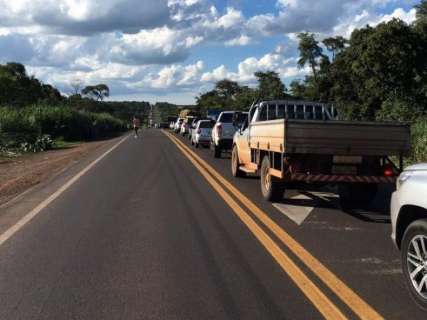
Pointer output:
x,y
27,125
419,140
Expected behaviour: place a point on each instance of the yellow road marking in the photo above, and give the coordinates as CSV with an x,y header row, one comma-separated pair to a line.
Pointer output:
x,y
312,292
360,307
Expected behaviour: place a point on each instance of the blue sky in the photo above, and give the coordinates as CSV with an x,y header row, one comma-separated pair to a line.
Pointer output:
x,y
171,50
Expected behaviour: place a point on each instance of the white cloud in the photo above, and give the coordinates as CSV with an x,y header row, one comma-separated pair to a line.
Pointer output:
x,y
346,27
243,40
142,45
285,67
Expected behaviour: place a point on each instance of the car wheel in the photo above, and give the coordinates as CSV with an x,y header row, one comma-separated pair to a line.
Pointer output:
x,y
192,142
235,164
197,145
272,188
414,261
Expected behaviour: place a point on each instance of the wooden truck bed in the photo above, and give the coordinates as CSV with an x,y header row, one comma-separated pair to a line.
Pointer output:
x,y
331,137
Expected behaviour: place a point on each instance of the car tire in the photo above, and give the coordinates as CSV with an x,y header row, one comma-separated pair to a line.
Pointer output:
x,y
192,142
416,231
272,188
352,195
235,164
197,145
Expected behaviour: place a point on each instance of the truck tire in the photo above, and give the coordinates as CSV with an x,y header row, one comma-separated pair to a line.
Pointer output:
x,y
235,164
357,194
216,150
272,188
414,234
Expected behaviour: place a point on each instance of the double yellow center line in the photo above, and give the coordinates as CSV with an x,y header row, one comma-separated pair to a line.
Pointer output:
x,y
324,305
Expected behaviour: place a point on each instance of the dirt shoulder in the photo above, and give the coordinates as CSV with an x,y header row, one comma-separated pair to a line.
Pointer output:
x,y
20,174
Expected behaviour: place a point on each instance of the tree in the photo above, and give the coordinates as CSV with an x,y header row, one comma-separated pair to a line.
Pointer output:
x,y
310,52
227,89
97,92
382,64
245,98
270,87
209,99
421,10
298,89
76,85
335,45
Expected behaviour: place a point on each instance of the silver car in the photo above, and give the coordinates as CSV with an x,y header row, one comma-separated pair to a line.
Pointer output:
x,y
409,228
201,134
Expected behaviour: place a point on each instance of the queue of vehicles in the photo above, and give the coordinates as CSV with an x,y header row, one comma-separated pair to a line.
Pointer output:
x,y
294,143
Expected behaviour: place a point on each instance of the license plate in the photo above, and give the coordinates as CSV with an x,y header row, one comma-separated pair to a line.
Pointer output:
x,y
344,170
347,159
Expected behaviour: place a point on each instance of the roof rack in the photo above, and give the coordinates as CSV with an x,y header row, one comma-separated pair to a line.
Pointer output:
x,y
299,109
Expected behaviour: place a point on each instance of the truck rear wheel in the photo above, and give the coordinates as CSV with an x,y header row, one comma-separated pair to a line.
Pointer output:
x,y
235,164
272,188
357,194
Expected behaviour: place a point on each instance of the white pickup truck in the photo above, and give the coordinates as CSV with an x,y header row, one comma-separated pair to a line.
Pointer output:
x,y
224,130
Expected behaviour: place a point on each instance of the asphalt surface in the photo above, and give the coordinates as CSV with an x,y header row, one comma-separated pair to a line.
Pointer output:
x,y
143,235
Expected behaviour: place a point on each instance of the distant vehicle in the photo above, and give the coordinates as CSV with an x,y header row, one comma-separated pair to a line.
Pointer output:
x,y
409,228
223,131
192,126
297,141
186,125
201,134
177,125
163,125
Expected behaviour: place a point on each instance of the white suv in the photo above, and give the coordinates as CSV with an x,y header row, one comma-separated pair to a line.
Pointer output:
x,y
224,130
409,222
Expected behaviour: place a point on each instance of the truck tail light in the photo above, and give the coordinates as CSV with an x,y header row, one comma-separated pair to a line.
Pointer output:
x,y
219,129
388,170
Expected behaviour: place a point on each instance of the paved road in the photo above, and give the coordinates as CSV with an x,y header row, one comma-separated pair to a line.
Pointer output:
x,y
145,235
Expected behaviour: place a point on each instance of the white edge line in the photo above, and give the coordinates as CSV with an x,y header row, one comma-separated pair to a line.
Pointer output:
x,y
30,215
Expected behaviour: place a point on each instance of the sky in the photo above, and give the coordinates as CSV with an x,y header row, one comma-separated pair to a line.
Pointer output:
x,y
173,50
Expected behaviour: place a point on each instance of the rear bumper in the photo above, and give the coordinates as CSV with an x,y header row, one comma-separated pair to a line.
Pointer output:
x,y
203,140
326,178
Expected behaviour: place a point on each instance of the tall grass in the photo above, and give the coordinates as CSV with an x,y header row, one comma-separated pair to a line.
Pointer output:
x,y
18,126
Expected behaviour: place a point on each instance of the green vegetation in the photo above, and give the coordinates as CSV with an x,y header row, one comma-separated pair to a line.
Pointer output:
x,y
33,128
33,115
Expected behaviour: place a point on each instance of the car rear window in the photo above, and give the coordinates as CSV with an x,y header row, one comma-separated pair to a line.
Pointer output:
x,y
226,118
206,124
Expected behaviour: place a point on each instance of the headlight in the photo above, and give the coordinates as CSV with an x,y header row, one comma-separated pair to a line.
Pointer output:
x,y
404,176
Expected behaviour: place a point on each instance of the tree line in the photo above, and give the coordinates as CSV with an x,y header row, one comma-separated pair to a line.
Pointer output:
x,y
33,115
379,73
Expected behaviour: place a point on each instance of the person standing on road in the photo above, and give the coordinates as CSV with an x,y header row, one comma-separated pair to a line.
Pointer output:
x,y
136,125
